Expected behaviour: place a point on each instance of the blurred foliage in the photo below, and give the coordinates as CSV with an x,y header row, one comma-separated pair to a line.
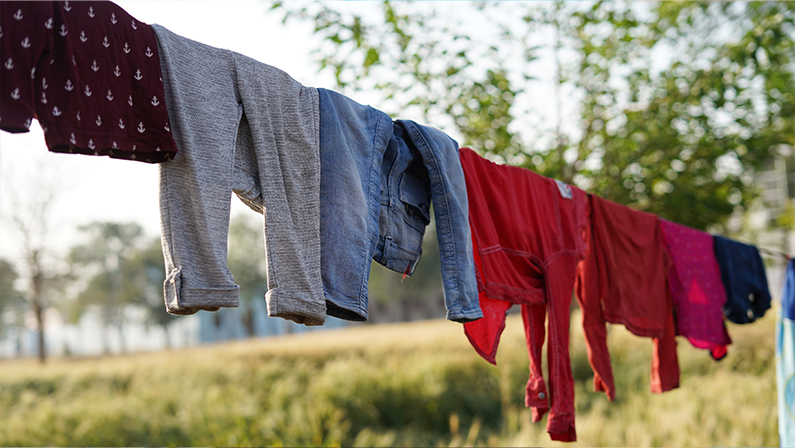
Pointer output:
x,y
246,258
114,268
12,301
146,270
677,102
417,384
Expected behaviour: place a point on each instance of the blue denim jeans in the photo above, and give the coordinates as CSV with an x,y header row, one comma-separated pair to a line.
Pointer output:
x,y
377,180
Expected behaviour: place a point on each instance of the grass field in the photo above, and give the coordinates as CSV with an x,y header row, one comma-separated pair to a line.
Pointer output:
x,y
416,384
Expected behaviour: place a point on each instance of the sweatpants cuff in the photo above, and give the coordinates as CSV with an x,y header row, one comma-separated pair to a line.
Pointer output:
x,y
183,301
296,309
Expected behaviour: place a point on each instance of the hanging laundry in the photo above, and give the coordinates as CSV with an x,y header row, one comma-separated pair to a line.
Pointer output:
x,y
697,288
528,237
785,360
89,73
623,280
744,279
378,180
246,127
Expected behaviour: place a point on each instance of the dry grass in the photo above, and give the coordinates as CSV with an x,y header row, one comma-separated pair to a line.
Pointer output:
x,y
416,384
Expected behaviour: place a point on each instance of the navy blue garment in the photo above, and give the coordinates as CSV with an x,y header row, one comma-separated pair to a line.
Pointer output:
x,y
377,180
788,293
743,275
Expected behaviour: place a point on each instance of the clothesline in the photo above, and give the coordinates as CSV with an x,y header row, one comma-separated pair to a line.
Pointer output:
x,y
774,253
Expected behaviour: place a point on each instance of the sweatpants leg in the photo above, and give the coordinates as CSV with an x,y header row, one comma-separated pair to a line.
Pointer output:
x,y
196,187
283,119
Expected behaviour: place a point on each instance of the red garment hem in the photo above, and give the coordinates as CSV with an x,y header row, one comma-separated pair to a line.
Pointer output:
x,y
490,357
569,436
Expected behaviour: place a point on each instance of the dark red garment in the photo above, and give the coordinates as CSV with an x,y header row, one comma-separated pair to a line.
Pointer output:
x,y
624,280
696,287
90,74
527,233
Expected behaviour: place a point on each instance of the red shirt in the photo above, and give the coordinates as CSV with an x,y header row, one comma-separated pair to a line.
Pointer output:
x,y
90,73
624,280
527,233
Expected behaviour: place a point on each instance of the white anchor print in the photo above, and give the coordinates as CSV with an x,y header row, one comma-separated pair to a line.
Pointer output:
x,y
25,43
114,145
74,61
133,25
69,86
43,98
134,148
9,64
48,24
126,48
132,157
91,12
63,31
121,124
87,91
109,96
141,127
1,31
33,73
78,116
56,112
117,72
18,15
44,84
72,139
94,66
105,42
83,37
167,128
157,149
149,53
99,121
91,145
129,101
138,75
155,101
113,18
66,7
27,125
15,94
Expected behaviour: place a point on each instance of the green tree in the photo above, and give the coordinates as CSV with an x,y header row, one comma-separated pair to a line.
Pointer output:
x,y
143,274
247,262
12,301
673,105
33,195
99,266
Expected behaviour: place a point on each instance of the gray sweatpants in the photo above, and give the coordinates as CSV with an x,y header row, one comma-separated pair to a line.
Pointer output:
x,y
243,126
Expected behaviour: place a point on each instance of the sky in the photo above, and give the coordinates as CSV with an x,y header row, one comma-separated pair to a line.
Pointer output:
x,y
102,189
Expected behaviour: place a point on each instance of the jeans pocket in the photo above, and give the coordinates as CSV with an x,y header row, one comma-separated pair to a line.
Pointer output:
x,y
415,197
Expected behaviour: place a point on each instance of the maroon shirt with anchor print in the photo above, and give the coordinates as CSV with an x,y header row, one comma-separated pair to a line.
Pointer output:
x,y
90,74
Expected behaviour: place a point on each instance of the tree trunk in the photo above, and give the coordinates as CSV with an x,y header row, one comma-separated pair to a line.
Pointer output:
x,y
168,337
39,311
38,301
122,340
